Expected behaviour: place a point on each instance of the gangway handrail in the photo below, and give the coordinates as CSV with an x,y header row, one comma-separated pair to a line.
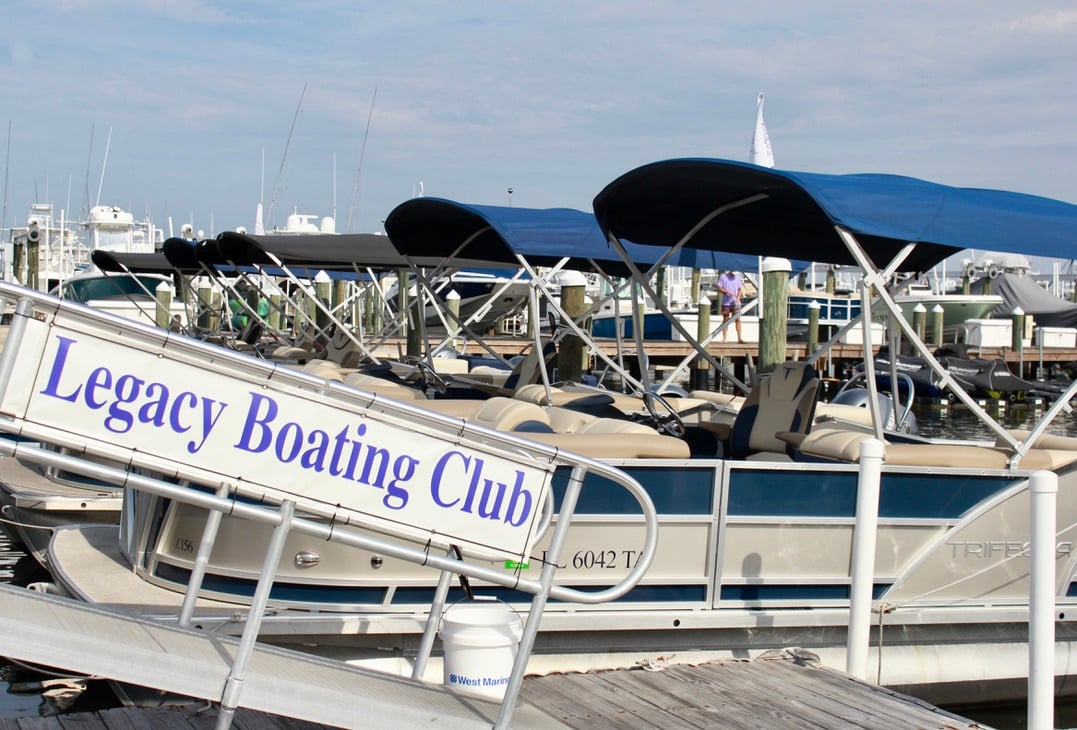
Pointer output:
x,y
270,515
125,461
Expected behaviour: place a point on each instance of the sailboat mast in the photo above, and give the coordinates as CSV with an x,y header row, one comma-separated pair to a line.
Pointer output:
x,y
284,157
359,171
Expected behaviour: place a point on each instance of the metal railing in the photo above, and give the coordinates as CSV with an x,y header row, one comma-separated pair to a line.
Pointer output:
x,y
27,438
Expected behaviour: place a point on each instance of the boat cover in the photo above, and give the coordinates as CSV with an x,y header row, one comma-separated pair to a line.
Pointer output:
x,y
661,202
1046,309
543,236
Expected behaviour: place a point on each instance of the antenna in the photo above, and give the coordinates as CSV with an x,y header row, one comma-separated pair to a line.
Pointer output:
x,y
280,172
359,171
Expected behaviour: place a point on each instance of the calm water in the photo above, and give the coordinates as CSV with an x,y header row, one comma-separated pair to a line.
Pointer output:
x,y
958,422
21,692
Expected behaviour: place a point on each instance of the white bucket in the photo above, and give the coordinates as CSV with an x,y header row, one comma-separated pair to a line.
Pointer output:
x,y
480,640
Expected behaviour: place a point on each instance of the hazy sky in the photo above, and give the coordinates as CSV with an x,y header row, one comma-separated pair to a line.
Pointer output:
x,y
553,99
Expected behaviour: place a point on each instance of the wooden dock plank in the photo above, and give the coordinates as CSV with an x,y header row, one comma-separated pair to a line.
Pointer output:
x,y
763,693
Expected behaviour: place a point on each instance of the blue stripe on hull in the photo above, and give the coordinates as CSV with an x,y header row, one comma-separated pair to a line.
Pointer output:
x,y
674,490
794,493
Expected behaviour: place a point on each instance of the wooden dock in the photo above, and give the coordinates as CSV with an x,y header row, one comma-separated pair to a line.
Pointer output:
x,y
780,691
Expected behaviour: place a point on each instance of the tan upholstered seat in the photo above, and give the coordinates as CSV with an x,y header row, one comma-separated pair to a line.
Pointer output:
x,y
383,387
566,420
844,445
623,446
617,426
508,414
1045,441
323,369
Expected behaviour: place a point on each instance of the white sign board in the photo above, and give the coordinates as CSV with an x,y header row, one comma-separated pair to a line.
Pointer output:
x,y
231,422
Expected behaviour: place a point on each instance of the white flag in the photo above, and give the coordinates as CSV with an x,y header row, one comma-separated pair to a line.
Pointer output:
x,y
760,153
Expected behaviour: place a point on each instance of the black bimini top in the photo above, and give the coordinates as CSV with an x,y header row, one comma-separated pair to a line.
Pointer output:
x,y
797,212
143,263
311,253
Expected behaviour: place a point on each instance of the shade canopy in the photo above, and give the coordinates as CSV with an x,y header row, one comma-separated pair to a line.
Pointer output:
x,y
437,227
141,263
314,252
796,213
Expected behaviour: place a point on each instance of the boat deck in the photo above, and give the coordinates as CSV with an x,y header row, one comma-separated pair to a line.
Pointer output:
x,y
30,489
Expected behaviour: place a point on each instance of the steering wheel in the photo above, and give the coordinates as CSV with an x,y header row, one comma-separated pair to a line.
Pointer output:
x,y
671,422
430,378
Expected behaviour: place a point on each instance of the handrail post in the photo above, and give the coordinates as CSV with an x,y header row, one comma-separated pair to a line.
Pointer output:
x,y
234,684
1043,493
863,568
538,602
201,561
426,644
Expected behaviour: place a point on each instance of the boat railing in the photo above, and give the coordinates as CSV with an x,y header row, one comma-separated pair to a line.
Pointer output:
x,y
33,418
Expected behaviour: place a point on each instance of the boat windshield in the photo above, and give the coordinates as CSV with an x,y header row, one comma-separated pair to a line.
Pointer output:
x,y
112,239
110,287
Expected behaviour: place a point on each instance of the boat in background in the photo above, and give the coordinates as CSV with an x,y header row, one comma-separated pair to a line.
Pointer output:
x,y
46,251
956,308
51,249
125,295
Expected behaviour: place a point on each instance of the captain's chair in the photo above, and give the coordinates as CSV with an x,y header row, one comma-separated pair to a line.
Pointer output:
x,y
784,401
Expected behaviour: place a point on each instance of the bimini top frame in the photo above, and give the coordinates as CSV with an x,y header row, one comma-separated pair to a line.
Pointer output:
x,y
554,238
881,223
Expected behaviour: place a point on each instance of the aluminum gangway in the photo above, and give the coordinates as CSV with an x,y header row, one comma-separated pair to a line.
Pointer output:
x,y
70,382
61,632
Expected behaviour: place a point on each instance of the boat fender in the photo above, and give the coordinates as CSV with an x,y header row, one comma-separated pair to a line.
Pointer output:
x,y
993,271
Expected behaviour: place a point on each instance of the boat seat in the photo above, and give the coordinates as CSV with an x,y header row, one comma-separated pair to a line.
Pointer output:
x,y
782,401
722,401
624,446
323,369
383,387
844,445
840,444
567,420
616,425
456,407
499,382
589,398
1045,441
291,352
975,457
508,414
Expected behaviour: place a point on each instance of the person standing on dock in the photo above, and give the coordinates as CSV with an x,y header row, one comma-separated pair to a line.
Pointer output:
x,y
731,288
